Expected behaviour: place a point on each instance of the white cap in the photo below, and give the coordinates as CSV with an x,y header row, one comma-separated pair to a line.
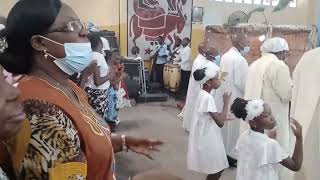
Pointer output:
x,y
2,26
211,71
105,43
274,45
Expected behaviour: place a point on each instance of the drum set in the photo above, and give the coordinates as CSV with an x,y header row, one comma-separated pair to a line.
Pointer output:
x,y
172,77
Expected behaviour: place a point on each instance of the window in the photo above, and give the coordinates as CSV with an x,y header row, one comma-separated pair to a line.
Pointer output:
x,y
259,2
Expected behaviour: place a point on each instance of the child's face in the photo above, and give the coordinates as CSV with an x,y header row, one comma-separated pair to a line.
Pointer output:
x,y
116,58
215,82
265,120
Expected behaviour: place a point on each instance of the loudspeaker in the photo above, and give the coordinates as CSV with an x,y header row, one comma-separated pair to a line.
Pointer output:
x,y
110,36
157,97
132,68
133,88
108,33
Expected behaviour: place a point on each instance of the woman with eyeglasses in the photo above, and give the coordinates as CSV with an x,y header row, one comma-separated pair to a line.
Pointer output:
x,y
48,43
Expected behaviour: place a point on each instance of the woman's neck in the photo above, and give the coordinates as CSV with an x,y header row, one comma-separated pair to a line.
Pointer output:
x,y
258,130
58,77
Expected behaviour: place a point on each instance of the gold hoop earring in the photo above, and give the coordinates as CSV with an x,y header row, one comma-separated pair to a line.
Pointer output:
x,y
45,54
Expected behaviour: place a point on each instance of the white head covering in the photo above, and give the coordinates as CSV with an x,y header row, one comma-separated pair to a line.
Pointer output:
x,y
274,45
254,109
105,43
2,26
211,71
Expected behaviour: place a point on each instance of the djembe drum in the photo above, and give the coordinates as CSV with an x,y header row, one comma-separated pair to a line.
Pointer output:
x,y
174,76
166,76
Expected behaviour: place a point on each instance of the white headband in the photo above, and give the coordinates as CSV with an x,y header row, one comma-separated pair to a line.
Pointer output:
x,y
211,71
254,109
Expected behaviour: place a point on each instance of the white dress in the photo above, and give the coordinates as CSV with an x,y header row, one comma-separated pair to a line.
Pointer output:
x,y
258,157
206,153
192,93
104,70
236,66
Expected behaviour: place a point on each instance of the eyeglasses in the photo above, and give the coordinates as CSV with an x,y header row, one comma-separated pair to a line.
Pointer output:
x,y
72,26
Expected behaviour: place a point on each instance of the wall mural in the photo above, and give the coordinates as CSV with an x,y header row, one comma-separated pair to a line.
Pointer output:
x,y
149,19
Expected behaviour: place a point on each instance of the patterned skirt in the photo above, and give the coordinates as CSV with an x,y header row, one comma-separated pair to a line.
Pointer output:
x,y
104,102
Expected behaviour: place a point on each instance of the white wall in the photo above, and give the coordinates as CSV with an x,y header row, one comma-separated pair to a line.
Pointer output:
x,y
218,12
314,13
5,6
102,12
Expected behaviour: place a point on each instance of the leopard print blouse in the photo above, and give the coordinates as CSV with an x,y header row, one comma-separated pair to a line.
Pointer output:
x,y
54,140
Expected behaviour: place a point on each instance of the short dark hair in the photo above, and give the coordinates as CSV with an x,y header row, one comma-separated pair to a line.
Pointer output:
x,y
199,74
187,39
94,39
238,108
26,19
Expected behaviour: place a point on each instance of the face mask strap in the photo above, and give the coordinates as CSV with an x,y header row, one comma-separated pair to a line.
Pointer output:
x,y
51,40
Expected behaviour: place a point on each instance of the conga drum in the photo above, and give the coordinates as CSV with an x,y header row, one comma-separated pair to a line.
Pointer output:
x,y
174,77
166,76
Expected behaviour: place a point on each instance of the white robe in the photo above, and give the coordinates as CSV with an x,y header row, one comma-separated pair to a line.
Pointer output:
x,y
206,153
259,157
305,108
192,93
236,66
269,79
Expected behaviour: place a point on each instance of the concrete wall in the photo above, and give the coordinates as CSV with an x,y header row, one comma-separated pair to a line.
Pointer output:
x,y
5,6
104,13
112,15
314,13
218,13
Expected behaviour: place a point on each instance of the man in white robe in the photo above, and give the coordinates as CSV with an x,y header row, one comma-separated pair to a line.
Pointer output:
x,y
236,66
194,87
269,79
305,108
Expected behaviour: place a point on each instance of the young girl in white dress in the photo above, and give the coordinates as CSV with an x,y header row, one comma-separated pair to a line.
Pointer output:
x,y
260,156
206,153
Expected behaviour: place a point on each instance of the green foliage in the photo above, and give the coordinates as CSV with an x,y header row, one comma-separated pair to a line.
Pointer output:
x,y
282,5
237,17
259,9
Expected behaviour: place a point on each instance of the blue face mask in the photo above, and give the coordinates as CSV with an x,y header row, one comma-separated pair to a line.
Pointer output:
x,y
245,50
78,57
217,60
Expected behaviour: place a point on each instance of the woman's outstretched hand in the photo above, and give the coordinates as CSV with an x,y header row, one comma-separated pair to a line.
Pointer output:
x,y
143,146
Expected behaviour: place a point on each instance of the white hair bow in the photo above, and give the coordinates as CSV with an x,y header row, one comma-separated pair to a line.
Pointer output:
x,y
254,109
